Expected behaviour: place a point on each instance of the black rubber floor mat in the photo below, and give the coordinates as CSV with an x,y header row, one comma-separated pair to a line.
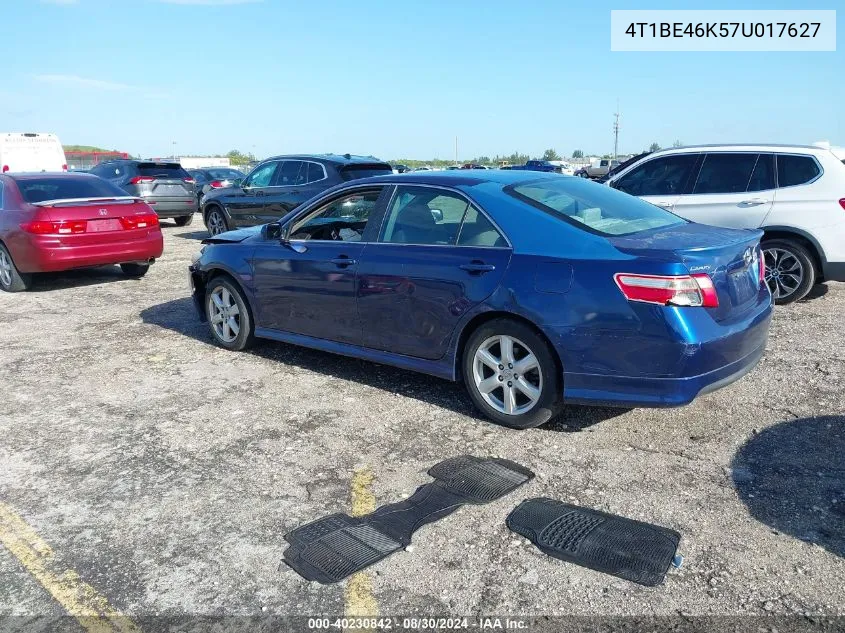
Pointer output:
x,y
639,552
330,549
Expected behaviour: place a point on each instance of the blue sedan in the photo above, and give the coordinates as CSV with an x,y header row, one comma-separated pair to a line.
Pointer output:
x,y
533,289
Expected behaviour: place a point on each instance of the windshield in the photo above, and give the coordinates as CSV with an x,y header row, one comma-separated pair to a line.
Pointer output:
x,y
598,208
57,188
162,170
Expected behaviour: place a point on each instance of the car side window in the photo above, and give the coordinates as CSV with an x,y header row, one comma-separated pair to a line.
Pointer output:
x,y
725,173
796,170
763,176
315,172
262,176
420,215
477,230
658,177
343,219
290,174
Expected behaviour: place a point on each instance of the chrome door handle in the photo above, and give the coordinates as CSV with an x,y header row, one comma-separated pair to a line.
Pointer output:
x,y
478,267
665,205
753,202
344,261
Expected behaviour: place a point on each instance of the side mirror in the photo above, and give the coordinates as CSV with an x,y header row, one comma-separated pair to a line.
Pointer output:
x,y
273,231
437,214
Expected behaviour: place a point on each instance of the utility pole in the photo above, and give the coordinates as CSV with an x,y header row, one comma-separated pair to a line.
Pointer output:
x,y
616,131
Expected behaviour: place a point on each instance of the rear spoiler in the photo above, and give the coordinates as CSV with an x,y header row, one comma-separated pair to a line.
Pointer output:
x,y
75,202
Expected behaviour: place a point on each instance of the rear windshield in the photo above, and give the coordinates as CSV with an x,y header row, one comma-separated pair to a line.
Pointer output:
x,y
57,188
353,172
596,207
231,174
162,170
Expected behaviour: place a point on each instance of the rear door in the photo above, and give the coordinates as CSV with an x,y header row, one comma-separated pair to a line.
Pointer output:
x,y
733,189
660,180
246,207
437,257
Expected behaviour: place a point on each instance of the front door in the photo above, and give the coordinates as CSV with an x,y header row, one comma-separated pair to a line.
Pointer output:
x,y
247,208
436,258
307,284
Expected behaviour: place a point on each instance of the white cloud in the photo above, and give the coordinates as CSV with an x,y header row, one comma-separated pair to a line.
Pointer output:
x,y
85,82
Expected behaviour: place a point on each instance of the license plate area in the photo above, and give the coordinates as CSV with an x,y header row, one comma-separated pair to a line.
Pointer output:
x,y
742,285
102,226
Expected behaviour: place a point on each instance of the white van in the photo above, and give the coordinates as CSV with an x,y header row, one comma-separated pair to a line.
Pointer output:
x,y
20,152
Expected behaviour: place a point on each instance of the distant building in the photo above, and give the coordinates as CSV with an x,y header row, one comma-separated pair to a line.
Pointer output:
x,y
87,160
201,162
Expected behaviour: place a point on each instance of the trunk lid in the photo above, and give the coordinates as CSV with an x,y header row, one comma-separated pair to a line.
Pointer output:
x,y
164,180
731,257
96,220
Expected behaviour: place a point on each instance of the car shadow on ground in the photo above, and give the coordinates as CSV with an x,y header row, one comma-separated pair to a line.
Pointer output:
x,y
200,234
180,316
47,282
791,477
816,292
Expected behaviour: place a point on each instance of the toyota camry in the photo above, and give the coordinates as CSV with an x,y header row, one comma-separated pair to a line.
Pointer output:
x,y
533,289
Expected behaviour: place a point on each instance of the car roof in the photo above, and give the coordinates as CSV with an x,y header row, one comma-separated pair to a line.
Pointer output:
x,y
463,177
340,159
33,175
738,147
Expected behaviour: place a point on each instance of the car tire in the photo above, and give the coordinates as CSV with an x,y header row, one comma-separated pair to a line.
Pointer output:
x,y
135,271
215,221
533,398
790,271
227,311
11,279
184,220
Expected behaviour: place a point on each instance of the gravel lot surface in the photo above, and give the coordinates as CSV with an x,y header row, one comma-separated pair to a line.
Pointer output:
x,y
165,470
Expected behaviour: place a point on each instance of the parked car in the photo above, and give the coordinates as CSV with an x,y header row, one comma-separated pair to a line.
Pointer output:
x,y
565,168
794,193
280,184
31,152
55,221
598,168
623,165
537,165
471,166
165,186
210,178
400,169
531,288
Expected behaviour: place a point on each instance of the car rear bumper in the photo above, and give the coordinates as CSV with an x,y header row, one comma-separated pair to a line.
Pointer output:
x,y
695,355
173,207
50,255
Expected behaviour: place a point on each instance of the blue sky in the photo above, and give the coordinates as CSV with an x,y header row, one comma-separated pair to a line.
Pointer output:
x,y
393,79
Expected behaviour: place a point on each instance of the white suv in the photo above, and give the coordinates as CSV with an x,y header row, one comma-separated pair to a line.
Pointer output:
x,y
795,193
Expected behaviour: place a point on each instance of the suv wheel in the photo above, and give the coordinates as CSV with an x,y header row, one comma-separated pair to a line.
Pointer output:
x,y
185,220
228,315
11,280
216,221
790,272
511,375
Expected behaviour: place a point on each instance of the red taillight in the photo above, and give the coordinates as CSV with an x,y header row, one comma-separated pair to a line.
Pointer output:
x,y
64,167
146,221
41,227
5,168
216,184
189,180
761,266
140,180
841,200
682,290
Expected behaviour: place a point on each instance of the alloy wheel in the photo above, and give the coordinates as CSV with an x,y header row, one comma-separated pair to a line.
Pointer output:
x,y
5,269
784,272
507,374
216,223
224,314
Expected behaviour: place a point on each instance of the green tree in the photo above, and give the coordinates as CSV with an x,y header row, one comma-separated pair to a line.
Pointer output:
x,y
550,154
577,154
239,158
654,147
678,144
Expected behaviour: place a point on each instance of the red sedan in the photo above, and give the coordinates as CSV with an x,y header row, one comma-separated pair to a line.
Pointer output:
x,y
52,222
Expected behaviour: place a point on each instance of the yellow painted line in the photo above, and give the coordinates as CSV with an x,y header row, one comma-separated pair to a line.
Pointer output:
x,y
360,601
79,599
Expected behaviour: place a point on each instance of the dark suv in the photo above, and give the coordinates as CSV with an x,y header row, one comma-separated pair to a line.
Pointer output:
x,y
278,184
165,186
